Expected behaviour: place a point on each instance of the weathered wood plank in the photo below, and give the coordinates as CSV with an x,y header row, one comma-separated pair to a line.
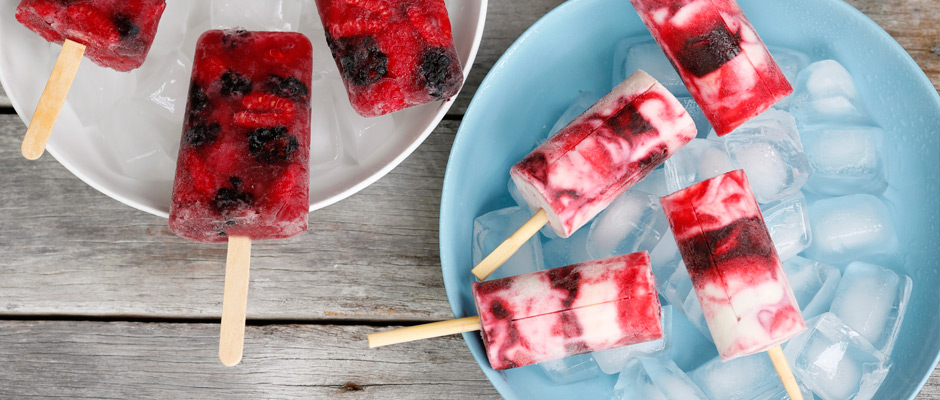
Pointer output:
x,y
162,360
66,249
41,359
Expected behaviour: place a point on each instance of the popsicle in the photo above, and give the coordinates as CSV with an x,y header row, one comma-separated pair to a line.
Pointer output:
x,y
112,33
552,314
594,159
392,54
738,278
719,57
242,170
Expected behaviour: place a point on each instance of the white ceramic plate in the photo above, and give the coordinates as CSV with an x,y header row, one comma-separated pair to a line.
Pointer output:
x,y
119,132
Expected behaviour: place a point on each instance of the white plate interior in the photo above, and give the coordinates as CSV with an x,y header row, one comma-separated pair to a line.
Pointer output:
x,y
117,111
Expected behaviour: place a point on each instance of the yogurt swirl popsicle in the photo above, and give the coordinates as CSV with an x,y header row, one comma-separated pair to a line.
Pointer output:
x,y
738,278
552,314
578,172
719,57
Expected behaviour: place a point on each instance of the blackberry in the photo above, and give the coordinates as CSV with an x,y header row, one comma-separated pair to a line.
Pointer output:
x,y
360,59
126,28
231,199
235,83
706,53
272,145
290,87
628,122
201,134
234,38
198,99
436,71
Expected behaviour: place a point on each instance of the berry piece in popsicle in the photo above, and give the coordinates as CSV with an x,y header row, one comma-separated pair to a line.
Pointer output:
x,y
117,33
718,55
242,168
392,54
551,314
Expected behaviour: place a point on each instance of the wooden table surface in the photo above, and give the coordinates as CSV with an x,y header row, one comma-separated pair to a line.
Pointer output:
x,y
99,300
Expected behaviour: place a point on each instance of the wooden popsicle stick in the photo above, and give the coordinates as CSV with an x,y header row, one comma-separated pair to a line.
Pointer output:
x,y
234,300
52,100
509,246
425,331
780,363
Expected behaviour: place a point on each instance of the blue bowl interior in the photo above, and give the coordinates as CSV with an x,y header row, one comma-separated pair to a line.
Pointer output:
x,y
571,48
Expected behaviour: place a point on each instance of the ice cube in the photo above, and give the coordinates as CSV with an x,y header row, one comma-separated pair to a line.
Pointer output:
x,y
559,252
634,221
835,361
692,309
791,62
165,83
143,145
363,136
769,150
814,284
849,228
582,102
271,15
698,116
170,36
654,379
325,143
491,229
611,361
697,161
99,89
872,300
744,378
825,93
846,160
631,54
654,183
570,369
788,222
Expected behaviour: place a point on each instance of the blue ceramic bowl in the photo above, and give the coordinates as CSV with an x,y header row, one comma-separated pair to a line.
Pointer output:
x,y
571,48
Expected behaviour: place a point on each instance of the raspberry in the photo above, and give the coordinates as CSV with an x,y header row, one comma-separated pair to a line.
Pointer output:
x,y
92,25
263,109
360,59
432,23
272,145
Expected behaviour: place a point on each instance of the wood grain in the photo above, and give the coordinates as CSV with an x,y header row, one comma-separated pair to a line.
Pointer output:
x,y
136,267
73,359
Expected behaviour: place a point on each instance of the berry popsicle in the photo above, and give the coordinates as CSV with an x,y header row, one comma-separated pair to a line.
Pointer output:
x,y
116,34
594,159
392,54
552,314
242,170
719,57
738,278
